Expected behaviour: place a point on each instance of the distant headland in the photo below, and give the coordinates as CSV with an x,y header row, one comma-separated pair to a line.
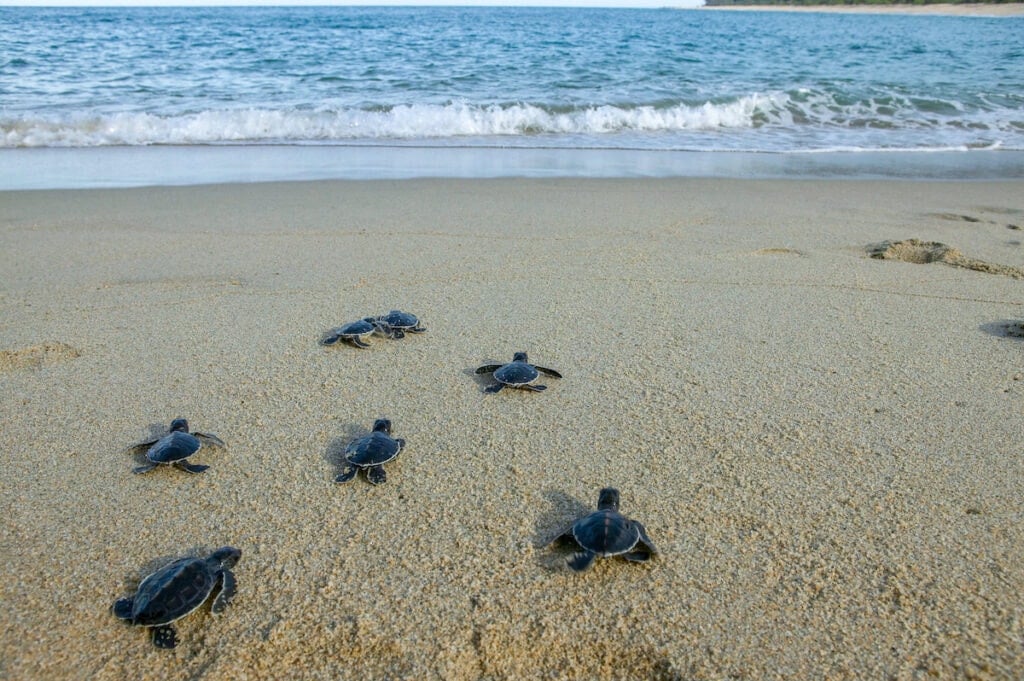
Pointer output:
x,y
988,8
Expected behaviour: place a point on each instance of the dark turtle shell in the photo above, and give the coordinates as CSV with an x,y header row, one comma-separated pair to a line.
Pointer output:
x,y
397,319
359,328
516,373
174,446
177,589
606,532
174,591
373,450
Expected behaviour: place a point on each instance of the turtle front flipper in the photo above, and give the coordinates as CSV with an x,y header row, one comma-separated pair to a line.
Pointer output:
x,y
417,329
141,447
397,334
376,475
330,339
488,368
144,468
228,589
164,636
122,608
210,439
549,372
358,342
190,467
347,474
534,388
494,388
582,561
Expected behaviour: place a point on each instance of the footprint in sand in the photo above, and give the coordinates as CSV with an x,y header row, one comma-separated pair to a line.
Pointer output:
x,y
958,217
35,356
924,252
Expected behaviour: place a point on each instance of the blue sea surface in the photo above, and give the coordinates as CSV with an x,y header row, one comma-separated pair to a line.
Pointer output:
x,y
457,78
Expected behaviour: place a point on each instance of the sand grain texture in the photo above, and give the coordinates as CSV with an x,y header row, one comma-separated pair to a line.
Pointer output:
x,y
824,446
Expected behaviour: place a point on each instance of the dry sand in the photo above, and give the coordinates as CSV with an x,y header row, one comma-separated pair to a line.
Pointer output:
x,y
980,9
825,446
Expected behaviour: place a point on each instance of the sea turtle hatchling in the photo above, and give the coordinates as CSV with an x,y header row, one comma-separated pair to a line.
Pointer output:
x,y
606,533
352,333
177,589
370,453
518,373
175,448
396,323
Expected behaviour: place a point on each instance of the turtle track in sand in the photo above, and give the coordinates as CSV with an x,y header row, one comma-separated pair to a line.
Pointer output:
x,y
924,252
35,356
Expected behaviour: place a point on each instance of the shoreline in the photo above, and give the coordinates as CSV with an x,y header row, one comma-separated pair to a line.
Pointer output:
x,y
107,167
1000,10
824,446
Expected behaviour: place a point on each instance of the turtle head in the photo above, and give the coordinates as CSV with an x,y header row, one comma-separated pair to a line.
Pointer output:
x,y
519,357
227,556
608,499
382,426
179,425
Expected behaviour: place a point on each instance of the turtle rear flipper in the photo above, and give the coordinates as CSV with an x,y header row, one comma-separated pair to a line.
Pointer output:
x,y
347,474
645,541
488,368
397,334
330,339
534,388
376,475
122,608
228,588
641,556
582,561
190,467
144,468
549,372
358,342
494,388
563,538
164,636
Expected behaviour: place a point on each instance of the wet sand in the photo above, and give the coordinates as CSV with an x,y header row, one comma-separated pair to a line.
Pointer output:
x,y
824,445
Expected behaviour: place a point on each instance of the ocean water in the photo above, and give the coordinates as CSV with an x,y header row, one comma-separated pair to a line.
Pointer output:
x,y
507,78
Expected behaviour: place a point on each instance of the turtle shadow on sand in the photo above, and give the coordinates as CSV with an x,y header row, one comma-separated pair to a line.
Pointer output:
x,y
334,454
483,381
1005,328
561,511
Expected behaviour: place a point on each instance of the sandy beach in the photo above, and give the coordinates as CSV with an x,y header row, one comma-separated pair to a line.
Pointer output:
x,y
1009,9
824,446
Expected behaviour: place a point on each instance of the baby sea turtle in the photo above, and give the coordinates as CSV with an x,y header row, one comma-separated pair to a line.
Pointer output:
x,y
352,333
177,589
607,533
370,453
396,323
175,448
518,373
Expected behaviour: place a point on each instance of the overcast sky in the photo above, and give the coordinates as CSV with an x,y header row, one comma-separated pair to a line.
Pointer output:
x,y
520,3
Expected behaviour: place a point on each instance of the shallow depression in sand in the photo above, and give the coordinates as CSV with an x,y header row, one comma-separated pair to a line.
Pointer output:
x,y
36,355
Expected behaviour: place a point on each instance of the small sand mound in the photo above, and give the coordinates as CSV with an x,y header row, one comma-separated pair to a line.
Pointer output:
x,y
913,250
36,356
924,252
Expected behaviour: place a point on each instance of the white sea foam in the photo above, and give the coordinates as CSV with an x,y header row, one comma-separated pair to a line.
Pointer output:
x,y
420,121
